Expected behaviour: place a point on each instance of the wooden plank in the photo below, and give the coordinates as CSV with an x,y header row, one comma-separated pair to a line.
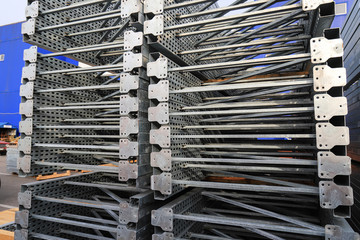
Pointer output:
x,y
7,216
54,175
6,235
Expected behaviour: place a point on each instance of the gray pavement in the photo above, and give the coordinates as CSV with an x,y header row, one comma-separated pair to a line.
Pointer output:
x,y
10,186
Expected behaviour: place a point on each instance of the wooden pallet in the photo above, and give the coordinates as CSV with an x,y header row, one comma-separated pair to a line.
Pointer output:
x,y
6,217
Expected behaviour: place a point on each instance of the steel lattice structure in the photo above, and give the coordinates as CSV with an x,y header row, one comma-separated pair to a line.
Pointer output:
x,y
195,121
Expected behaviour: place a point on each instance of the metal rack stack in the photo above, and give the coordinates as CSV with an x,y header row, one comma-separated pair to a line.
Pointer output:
x,y
196,121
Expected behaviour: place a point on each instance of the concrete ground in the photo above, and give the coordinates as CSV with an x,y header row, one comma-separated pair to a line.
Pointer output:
x,y
10,186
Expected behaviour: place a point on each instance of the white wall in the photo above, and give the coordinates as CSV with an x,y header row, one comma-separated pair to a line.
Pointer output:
x,y
12,11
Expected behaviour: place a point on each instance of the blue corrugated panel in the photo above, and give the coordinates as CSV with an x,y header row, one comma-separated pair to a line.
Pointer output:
x,y
12,46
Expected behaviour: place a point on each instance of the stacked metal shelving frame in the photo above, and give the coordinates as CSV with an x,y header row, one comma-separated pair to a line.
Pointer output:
x,y
195,121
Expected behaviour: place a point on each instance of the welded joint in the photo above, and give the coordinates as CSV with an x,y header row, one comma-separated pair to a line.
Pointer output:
x,y
323,49
24,162
161,136
163,218
333,195
128,213
308,5
128,149
128,82
327,106
128,104
124,233
330,165
24,145
30,55
128,171
29,72
334,232
132,60
153,6
326,78
329,136
26,126
159,91
133,39
22,218
163,236
158,69
129,7
27,90
27,108
128,126
32,10
159,114
24,199
22,234
28,27
162,183
154,26
161,159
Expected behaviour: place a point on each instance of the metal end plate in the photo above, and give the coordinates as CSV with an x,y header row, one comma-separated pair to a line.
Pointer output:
x,y
330,165
161,159
133,39
159,91
24,145
327,107
30,54
124,233
29,72
24,163
129,7
308,5
154,6
164,236
326,78
323,49
132,60
27,90
128,126
162,218
162,183
158,69
159,114
128,213
24,199
26,126
128,104
32,10
128,82
128,149
154,26
128,171
161,137
22,218
28,28
333,195
329,136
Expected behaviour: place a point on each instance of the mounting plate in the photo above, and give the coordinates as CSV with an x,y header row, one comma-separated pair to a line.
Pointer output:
x,y
159,91
161,159
329,136
128,149
333,195
162,183
323,49
330,165
327,106
159,114
161,136
326,78
154,26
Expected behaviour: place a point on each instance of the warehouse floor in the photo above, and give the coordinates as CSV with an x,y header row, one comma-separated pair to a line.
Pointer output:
x,y
10,186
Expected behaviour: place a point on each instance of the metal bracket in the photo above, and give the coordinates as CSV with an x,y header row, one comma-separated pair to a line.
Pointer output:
x,y
29,72
161,159
330,165
22,218
128,213
128,82
123,233
26,126
164,236
128,171
322,49
159,114
24,199
132,60
308,5
27,108
326,78
154,6
334,232
128,126
24,145
133,39
163,218
28,27
128,149
154,26
32,10
24,163
27,90
30,54
333,195
326,106
129,7
158,69
161,136
159,91
329,136
162,183
128,104
21,234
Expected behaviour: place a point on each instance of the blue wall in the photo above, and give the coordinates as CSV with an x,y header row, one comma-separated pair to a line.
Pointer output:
x,y
12,45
